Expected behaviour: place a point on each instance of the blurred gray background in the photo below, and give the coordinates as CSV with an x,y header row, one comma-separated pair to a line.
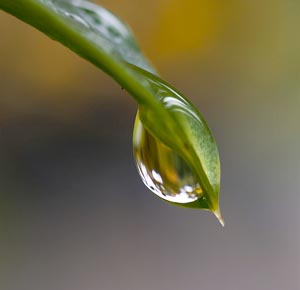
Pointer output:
x,y
74,213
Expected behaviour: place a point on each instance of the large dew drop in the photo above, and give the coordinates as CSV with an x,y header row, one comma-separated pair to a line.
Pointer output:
x,y
162,170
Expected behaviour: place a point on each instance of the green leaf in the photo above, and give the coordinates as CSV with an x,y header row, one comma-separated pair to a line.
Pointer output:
x,y
164,113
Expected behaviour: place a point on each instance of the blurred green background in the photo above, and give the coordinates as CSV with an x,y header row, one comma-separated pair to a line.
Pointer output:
x,y
73,212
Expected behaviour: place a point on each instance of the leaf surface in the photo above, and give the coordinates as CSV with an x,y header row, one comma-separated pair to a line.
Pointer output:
x,y
102,38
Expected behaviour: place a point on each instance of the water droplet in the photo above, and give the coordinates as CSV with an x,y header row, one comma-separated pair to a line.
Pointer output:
x,y
162,170
77,19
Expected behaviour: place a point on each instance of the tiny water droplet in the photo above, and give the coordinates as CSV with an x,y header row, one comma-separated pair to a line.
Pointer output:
x,y
162,170
77,19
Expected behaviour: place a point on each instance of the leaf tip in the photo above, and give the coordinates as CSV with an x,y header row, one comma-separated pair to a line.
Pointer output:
x,y
218,215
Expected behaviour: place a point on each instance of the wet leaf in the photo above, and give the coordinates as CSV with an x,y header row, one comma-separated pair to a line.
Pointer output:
x,y
165,116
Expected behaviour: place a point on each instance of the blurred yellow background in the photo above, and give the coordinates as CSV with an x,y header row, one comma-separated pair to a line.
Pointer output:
x,y
74,214
243,41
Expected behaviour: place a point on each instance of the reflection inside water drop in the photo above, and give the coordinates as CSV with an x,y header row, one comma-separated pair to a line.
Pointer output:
x,y
162,170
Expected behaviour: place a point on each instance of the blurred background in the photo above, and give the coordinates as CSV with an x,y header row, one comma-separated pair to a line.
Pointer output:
x,y
74,213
